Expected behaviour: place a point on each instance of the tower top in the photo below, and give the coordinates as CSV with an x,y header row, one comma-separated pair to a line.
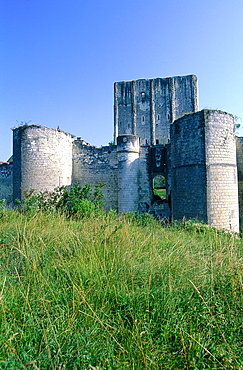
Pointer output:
x,y
147,107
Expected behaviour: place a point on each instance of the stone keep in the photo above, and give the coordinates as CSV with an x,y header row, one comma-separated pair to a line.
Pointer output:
x,y
158,131
148,107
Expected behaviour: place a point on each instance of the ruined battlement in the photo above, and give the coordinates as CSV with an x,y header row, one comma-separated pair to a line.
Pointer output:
x,y
160,138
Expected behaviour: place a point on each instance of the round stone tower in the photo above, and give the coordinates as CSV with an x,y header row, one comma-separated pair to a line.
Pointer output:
x,y
42,159
204,173
222,181
128,168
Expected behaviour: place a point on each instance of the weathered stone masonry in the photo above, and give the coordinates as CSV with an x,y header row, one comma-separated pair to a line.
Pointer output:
x,y
93,165
157,131
42,159
204,172
148,107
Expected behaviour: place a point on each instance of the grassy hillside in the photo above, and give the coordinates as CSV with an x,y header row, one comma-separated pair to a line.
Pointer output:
x,y
118,293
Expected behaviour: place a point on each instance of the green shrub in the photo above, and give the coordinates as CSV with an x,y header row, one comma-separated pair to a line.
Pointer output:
x,y
74,201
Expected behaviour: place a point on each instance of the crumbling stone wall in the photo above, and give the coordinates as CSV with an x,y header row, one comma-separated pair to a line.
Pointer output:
x,y
93,165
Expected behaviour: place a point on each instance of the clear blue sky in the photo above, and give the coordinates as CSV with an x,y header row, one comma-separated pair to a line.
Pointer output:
x,y
60,58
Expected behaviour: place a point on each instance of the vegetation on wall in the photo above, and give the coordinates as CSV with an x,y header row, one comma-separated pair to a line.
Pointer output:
x,y
72,201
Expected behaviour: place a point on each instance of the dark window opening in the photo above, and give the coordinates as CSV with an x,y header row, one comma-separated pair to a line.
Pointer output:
x,y
157,141
158,117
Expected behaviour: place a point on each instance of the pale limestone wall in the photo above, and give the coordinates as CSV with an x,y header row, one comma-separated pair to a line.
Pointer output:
x,y
163,108
128,173
204,173
222,184
147,107
93,165
144,108
185,95
6,182
124,109
42,159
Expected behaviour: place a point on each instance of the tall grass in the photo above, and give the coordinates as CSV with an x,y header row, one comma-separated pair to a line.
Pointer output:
x,y
117,293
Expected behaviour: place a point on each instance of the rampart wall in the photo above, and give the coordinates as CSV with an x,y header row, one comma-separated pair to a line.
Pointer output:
x,y
93,165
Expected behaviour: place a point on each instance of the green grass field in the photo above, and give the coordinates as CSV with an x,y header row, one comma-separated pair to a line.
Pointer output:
x,y
118,293
160,192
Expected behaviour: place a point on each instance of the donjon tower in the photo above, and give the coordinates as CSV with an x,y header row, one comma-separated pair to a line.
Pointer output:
x,y
147,107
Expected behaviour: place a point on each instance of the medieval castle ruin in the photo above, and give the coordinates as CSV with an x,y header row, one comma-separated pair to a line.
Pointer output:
x,y
158,133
